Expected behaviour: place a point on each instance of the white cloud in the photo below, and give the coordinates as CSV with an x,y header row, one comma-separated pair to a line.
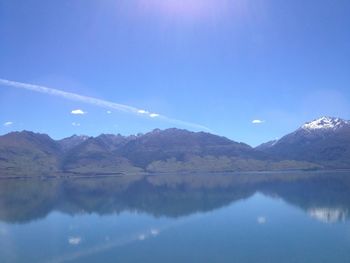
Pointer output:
x,y
96,102
261,220
76,124
141,237
257,121
154,232
143,112
8,123
74,241
154,115
78,112
108,112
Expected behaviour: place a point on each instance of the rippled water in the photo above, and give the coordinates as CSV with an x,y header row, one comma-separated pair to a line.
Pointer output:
x,y
177,219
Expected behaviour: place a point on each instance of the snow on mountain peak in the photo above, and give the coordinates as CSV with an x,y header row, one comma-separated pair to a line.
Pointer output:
x,y
325,123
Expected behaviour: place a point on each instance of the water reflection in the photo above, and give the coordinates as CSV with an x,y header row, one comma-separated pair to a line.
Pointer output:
x,y
325,196
26,200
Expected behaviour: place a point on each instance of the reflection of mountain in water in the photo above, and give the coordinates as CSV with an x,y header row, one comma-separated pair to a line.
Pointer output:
x,y
329,215
26,200
325,197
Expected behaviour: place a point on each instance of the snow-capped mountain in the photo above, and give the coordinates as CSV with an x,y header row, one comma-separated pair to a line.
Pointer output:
x,y
325,141
325,123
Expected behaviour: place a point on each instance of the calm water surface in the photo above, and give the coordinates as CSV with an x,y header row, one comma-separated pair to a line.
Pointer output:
x,y
152,220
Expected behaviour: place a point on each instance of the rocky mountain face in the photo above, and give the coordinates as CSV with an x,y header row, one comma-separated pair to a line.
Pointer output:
x,y
325,141
69,143
98,155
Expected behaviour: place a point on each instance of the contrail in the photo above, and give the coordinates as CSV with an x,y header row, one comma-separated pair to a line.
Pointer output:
x,y
98,102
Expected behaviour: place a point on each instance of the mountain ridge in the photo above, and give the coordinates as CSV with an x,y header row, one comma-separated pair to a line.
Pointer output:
x,y
176,150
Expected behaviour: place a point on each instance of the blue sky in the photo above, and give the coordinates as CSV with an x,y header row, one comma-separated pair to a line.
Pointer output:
x,y
217,63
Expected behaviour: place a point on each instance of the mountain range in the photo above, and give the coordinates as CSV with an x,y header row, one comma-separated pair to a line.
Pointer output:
x,y
321,144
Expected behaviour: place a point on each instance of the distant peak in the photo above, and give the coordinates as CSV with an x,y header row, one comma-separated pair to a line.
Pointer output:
x,y
169,130
156,130
325,123
83,137
29,133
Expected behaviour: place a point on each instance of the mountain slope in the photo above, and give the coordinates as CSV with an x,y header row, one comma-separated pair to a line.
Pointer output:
x,y
97,155
181,144
69,143
325,141
28,153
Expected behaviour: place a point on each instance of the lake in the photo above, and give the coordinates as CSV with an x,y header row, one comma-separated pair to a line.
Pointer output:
x,y
301,217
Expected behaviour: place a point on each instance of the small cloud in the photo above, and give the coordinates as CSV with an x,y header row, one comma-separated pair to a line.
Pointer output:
x,y
142,237
261,220
78,112
75,124
142,112
74,241
154,115
154,232
8,123
108,112
257,121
